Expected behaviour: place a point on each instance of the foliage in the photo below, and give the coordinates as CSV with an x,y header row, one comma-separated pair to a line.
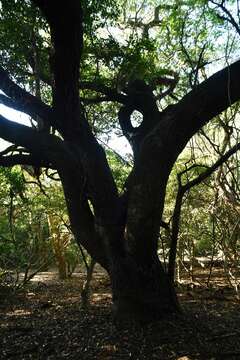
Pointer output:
x,y
25,240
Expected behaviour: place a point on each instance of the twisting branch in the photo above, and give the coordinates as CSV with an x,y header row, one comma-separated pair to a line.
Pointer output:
x,y
141,98
65,20
156,21
124,116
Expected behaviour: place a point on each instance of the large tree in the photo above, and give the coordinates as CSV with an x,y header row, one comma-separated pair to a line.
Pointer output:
x,y
119,230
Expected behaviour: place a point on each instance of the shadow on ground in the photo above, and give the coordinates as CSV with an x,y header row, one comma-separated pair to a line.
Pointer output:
x,y
46,322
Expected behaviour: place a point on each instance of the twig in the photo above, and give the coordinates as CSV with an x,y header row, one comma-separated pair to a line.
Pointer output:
x,y
223,336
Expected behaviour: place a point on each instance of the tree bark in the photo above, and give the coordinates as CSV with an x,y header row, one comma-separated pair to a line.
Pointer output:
x,y
140,292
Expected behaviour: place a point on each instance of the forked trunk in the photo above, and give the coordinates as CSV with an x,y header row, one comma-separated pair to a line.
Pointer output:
x,y
127,249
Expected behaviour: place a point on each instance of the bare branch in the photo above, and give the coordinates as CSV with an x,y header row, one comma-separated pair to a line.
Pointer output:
x,y
199,65
52,176
178,204
179,175
229,18
120,157
9,149
211,169
146,26
166,81
96,100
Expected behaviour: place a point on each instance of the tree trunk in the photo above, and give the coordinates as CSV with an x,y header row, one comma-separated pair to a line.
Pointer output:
x,y
141,290
58,245
126,246
142,293
85,293
123,239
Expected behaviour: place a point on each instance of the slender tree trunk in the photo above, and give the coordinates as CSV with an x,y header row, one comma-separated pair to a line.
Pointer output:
x,y
85,293
174,235
58,246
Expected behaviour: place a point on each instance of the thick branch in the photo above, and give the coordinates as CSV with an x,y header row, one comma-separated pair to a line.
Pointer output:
x,y
23,101
141,98
206,101
124,116
81,217
20,159
6,101
65,20
42,146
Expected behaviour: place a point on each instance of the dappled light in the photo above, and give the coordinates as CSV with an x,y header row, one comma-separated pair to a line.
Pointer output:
x,y
19,312
211,317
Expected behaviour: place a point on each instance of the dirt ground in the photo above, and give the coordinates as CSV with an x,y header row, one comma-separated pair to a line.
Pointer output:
x,y
46,321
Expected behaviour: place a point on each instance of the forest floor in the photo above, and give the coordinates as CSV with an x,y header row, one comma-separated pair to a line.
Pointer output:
x,y
46,321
